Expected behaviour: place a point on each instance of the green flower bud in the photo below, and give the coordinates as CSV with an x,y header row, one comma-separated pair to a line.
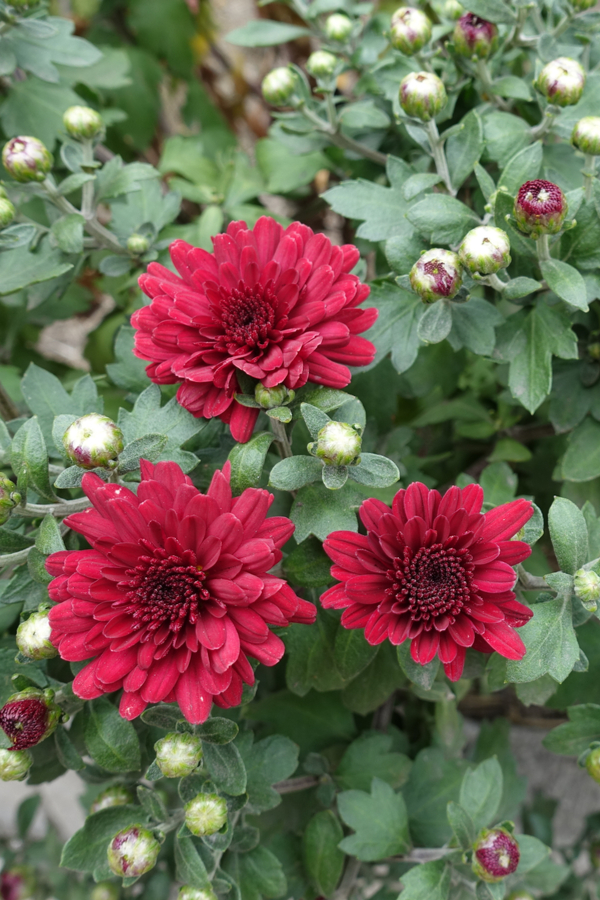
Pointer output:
x,y
205,814
132,852
592,764
453,9
561,81
410,30
474,37
93,440
540,208
583,4
339,27
587,588
422,95
106,890
83,122
14,764
190,893
586,135
9,498
270,398
337,444
436,275
18,883
495,854
594,350
33,636
177,755
7,212
29,717
117,795
26,159
321,64
485,250
278,86
137,244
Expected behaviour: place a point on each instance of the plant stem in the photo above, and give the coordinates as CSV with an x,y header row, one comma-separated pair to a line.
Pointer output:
x,y
334,135
589,173
531,582
543,247
545,125
291,785
8,410
348,882
495,282
105,238
87,191
13,559
282,438
439,157
64,508
484,76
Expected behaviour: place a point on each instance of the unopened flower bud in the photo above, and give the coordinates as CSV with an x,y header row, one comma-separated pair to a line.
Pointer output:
x,y
18,883
137,244
33,636
205,814
338,27
270,398
190,893
321,64
587,588
453,9
540,208
7,213
496,854
93,440
14,764
594,350
83,122
9,498
422,95
436,275
337,444
177,755
29,717
586,135
410,30
485,250
474,37
132,852
592,764
26,159
278,86
561,81
106,890
117,795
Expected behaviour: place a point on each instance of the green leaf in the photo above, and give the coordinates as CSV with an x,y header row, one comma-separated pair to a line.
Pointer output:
x,y
265,33
308,566
374,471
20,268
379,819
163,715
568,531
428,881
436,322
164,27
29,459
217,730
566,282
442,219
190,868
314,419
285,171
111,741
423,676
492,10
67,233
523,166
12,541
376,682
532,853
65,750
396,328
323,860
226,767
352,653
575,736
481,792
247,461
362,116
382,210
474,324
581,462
550,641
257,873
415,185
464,148
36,107
152,803
49,539
370,756
293,473
334,477
433,782
312,722
149,447
317,511
37,45
128,372
115,178
511,86
26,814
273,759
521,287
86,850
462,825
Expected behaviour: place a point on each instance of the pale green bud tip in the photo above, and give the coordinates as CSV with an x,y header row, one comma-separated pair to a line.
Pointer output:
x,y
338,27
321,64
436,275
132,852
137,244
190,893
33,636
7,212
453,9
587,588
592,764
82,122
177,755
561,81
205,814
105,891
117,795
26,159
270,398
485,250
410,30
586,135
422,95
338,444
92,441
278,86
9,498
14,764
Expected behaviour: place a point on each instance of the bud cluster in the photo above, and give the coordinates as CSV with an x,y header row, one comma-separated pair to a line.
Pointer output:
x,y
9,496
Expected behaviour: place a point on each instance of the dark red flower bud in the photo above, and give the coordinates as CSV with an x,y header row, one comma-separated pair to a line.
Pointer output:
x,y
17,883
496,854
475,37
540,208
28,717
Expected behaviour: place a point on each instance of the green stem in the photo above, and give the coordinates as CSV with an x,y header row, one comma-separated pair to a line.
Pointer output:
x,y
439,157
589,173
282,438
496,283
291,785
483,73
531,582
105,238
563,25
348,881
331,131
87,191
543,247
64,508
13,559
545,125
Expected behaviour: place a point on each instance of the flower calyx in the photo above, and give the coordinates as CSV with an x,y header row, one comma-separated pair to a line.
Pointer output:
x,y
561,81
422,95
485,250
474,37
337,444
410,30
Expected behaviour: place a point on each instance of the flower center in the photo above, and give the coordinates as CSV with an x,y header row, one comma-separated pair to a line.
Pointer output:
x,y
442,279
24,721
539,197
432,582
248,316
165,590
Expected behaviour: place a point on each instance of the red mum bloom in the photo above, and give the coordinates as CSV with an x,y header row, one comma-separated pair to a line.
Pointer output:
x,y
434,569
278,304
175,595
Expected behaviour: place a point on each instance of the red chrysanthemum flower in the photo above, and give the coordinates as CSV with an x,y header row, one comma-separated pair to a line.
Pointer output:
x,y
175,594
436,570
277,304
